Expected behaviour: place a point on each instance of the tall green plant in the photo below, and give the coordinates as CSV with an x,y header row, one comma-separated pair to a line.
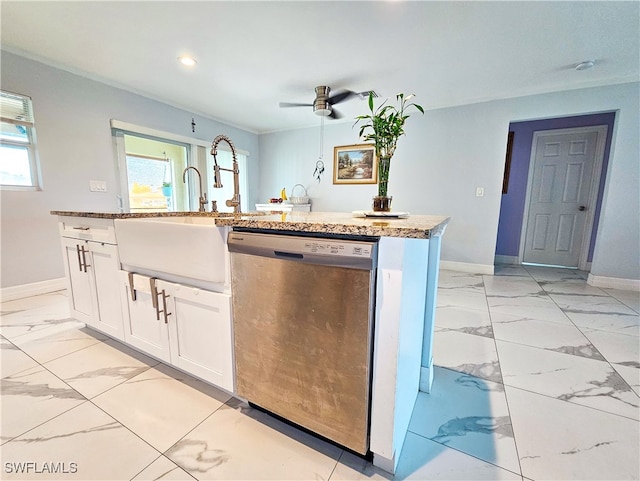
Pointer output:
x,y
386,123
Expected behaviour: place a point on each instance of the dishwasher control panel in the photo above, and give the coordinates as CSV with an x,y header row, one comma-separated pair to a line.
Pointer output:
x,y
359,254
338,248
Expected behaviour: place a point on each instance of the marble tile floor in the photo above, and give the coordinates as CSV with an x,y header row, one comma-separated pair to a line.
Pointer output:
x,y
537,378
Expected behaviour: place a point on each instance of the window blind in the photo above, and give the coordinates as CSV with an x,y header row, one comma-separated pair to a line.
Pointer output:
x,y
16,109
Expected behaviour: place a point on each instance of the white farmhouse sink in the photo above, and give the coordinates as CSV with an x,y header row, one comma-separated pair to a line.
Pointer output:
x,y
185,246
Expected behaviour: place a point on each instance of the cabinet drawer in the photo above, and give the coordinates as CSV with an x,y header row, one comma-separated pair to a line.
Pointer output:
x,y
87,228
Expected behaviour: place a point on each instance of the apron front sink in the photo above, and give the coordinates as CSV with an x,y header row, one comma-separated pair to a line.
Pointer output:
x,y
187,246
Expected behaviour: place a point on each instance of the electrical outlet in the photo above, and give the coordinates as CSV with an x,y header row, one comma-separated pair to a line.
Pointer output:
x,y
97,186
479,191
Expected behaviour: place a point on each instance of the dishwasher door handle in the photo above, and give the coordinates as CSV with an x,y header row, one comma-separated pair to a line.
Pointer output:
x,y
288,255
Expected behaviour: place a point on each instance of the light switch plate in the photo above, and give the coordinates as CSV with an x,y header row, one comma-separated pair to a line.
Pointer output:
x,y
479,191
97,186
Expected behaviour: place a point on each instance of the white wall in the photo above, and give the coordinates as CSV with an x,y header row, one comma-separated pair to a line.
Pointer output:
x,y
74,145
447,153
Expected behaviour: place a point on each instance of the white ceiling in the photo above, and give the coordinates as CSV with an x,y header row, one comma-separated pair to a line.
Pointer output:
x,y
252,55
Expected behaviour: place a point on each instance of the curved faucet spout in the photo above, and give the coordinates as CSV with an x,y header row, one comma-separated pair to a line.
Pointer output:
x,y
235,200
202,198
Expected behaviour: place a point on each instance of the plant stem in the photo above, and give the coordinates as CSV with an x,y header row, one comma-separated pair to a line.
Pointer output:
x,y
383,175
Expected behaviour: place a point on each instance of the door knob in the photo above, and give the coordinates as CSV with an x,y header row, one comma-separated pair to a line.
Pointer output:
x,y
582,208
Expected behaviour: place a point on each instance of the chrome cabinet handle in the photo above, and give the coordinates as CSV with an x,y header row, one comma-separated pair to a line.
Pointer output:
x,y
132,289
156,304
84,259
79,259
82,228
164,307
154,297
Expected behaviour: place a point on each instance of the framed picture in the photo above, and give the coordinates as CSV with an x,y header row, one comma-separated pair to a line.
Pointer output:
x,y
355,164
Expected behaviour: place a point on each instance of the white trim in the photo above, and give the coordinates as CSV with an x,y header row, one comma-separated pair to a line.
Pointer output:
x,y
138,129
426,377
34,289
614,283
506,260
593,188
385,464
467,267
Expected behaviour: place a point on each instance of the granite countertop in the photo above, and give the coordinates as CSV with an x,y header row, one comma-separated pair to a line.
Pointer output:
x,y
138,215
415,226
340,223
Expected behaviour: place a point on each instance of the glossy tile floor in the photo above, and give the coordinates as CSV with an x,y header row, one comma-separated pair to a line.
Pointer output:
x,y
537,377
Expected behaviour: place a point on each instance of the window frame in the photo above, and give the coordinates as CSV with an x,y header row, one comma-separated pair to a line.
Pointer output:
x,y
30,146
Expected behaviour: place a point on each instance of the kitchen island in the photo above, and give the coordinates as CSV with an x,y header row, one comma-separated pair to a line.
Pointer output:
x,y
405,300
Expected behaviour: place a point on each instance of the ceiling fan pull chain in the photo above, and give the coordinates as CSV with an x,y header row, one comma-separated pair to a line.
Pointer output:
x,y
317,173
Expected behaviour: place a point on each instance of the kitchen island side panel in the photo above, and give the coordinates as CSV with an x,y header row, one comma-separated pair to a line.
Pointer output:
x,y
399,324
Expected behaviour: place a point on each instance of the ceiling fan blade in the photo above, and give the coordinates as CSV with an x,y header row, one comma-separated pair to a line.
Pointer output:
x,y
341,96
293,104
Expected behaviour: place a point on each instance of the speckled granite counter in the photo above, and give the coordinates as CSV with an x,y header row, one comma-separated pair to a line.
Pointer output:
x,y
339,223
415,226
136,215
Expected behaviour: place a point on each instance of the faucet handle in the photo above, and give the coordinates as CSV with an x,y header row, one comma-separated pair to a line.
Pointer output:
x,y
202,200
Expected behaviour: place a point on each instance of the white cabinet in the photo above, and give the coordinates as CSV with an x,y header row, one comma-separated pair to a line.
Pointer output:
x,y
78,274
187,327
91,268
144,327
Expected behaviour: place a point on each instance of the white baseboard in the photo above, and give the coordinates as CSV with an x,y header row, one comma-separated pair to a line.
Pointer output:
x,y
33,289
507,260
614,283
467,267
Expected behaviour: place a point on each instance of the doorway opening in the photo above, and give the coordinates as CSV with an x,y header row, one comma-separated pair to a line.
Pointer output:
x,y
524,225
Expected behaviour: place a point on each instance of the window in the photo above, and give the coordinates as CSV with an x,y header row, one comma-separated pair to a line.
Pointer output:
x,y
154,174
151,164
17,142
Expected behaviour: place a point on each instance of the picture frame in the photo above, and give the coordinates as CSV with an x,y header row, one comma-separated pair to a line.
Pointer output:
x,y
355,164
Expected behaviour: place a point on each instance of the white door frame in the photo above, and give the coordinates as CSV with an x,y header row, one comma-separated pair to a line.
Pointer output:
x,y
593,190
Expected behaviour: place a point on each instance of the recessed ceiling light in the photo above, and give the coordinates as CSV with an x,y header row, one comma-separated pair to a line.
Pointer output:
x,y
586,65
187,61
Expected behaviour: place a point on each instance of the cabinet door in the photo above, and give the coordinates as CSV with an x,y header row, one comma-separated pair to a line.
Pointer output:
x,y
79,285
200,333
105,267
142,329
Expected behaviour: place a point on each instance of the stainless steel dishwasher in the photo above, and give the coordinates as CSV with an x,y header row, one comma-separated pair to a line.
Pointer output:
x,y
303,328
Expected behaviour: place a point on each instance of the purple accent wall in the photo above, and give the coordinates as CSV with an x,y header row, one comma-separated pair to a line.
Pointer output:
x,y
512,205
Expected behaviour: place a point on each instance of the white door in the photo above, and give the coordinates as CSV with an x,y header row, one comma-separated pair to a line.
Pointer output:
x,y
562,194
144,326
106,267
199,325
76,264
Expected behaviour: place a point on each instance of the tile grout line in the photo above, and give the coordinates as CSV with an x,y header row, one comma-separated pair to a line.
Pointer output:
x,y
591,343
506,398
